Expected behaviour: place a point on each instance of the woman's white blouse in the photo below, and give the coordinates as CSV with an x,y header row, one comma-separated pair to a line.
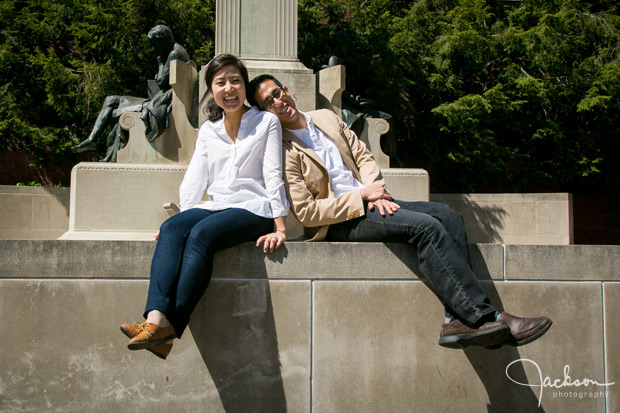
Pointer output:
x,y
246,174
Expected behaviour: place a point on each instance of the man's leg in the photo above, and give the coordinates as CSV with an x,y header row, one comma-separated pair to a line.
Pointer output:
x,y
443,260
438,234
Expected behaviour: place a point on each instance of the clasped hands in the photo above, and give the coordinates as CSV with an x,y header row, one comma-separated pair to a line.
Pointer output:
x,y
378,196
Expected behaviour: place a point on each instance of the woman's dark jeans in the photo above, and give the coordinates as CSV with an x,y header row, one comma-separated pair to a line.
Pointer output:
x,y
183,259
438,234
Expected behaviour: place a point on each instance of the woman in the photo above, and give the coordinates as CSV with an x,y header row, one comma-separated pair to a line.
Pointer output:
x,y
238,160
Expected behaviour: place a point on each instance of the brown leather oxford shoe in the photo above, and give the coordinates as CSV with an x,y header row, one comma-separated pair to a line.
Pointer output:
x,y
523,330
457,335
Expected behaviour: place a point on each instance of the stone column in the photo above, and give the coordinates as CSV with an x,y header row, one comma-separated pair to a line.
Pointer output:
x,y
264,34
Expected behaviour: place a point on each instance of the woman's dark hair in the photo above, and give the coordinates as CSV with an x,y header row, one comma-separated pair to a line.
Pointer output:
x,y
212,110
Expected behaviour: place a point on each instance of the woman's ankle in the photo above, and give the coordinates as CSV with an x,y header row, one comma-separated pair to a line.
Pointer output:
x,y
158,318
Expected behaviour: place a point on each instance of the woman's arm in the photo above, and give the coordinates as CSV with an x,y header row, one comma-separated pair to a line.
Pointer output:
x,y
274,240
272,175
272,167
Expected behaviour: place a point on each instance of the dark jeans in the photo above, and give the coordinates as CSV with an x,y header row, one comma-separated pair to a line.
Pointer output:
x,y
183,259
438,234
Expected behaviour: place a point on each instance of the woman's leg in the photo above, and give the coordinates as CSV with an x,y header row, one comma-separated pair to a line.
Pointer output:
x,y
168,256
221,230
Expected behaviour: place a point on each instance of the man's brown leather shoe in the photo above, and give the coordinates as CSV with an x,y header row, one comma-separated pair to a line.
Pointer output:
x,y
149,335
160,350
457,335
523,330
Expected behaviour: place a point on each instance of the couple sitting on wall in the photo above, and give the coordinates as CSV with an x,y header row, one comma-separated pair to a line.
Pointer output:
x,y
335,190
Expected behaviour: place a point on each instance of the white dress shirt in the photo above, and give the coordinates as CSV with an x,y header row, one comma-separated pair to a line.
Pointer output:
x,y
341,177
244,174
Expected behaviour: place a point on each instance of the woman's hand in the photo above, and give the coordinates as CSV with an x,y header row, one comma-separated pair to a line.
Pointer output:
x,y
272,241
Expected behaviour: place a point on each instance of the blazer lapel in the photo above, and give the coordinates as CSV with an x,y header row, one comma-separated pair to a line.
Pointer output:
x,y
288,136
343,146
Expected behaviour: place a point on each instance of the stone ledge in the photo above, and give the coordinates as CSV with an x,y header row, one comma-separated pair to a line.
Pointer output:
x,y
353,330
302,260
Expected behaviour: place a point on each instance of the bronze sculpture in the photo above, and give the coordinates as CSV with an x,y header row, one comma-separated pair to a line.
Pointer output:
x,y
154,109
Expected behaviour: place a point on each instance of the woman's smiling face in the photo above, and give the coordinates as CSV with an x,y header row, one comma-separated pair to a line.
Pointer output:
x,y
228,89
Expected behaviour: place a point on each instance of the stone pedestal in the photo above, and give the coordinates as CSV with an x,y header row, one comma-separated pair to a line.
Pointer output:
x,y
263,33
330,83
112,201
121,201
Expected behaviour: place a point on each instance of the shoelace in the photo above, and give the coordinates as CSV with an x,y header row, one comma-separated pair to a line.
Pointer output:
x,y
142,328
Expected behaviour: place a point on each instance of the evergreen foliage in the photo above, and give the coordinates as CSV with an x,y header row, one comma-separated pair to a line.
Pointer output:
x,y
487,96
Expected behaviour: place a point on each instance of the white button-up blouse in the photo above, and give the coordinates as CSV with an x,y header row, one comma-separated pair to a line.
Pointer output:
x,y
246,174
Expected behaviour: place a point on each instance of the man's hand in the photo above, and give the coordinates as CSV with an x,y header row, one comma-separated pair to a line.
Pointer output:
x,y
272,241
384,206
375,192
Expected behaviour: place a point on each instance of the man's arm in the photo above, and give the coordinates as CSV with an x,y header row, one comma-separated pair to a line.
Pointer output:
x,y
319,210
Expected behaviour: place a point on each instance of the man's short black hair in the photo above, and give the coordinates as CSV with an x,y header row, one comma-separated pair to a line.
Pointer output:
x,y
254,85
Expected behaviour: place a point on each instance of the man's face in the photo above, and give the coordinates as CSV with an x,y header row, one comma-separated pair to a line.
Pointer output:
x,y
277,100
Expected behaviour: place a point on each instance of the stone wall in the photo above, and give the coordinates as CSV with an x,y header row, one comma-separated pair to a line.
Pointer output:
x,y
327,327
33,212
530,219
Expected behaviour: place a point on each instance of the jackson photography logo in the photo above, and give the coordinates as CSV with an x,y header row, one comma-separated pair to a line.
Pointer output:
x,y
565,387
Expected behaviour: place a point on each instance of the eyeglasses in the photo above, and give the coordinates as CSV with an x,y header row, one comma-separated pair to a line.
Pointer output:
x,y
276,94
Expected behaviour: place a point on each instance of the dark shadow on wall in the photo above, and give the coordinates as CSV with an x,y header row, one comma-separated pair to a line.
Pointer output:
x,y
234,329
490,365
483,224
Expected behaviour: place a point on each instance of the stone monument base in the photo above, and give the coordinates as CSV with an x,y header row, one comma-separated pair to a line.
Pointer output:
x,y
126,201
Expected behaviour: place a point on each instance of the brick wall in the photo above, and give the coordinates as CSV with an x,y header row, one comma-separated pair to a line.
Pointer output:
x,y
15,168
596,218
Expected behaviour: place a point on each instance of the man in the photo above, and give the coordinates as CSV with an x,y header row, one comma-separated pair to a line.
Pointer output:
x,y
337,192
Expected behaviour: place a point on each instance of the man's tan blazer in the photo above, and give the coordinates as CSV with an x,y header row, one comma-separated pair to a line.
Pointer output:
x,y
308,186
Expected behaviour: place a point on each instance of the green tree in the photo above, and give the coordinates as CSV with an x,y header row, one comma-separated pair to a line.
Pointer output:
x,y
488,96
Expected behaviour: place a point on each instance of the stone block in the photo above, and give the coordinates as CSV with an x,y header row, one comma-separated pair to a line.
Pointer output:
x,y
330,83
530,219
51,211
407,184
16,211
299,79
109,198
611,295
554,262
576,340
314,327
33,212
376,350
75,259
242,351
89,259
